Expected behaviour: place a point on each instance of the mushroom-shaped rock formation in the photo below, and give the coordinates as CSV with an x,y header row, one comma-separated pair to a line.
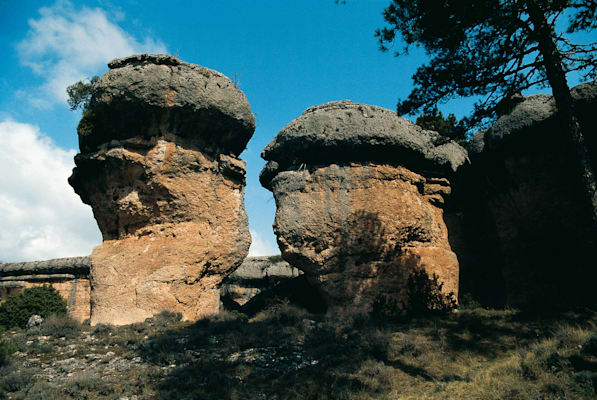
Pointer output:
x,y
359,194
159,166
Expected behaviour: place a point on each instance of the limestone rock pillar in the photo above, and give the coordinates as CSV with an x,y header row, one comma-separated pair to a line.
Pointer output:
x,y
359,194
159,166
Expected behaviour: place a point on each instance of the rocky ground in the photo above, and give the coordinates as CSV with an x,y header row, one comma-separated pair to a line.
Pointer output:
x,y
287,353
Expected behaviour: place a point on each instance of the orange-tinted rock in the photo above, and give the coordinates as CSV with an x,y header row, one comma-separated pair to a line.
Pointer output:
x,y
361,228
169,201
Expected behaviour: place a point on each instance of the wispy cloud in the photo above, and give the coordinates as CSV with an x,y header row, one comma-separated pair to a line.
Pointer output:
x,y
66,44
42,217
261,247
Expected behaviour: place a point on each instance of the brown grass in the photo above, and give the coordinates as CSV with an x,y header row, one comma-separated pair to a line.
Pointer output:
x,y
287,353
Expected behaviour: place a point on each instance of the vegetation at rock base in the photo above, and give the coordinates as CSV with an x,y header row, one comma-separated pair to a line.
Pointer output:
x,y
19,307
424,297
7,347
287,353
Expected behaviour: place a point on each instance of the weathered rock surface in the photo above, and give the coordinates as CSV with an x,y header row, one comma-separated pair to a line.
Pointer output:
x,y
69,276
534,115
255,275
151,95
159,167
523,234
359,194
344,131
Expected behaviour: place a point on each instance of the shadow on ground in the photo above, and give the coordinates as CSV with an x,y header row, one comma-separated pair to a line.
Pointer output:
x,y
285,352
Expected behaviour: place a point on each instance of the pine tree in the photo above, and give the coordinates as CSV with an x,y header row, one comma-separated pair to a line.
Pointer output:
x,y
495,49
79,93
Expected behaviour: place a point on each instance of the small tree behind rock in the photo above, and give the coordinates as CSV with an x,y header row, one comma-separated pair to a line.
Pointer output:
x,y
445,126
79,93
41,300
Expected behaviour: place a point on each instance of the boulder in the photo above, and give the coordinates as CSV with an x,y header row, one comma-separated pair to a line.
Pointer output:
x,y
34,321
359,194
159,166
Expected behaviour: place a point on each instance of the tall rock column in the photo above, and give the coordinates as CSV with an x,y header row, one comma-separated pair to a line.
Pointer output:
x,y
359,194
159,166
526,227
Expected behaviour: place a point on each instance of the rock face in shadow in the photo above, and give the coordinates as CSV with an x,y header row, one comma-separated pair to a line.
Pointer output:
x,y
159,166
521,226
255,275
359,194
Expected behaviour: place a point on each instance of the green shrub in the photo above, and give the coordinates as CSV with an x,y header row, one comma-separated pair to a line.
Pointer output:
x,y
60,326
85,382
13,380
425,295
468,302
590,346
424,298
7,347
41,300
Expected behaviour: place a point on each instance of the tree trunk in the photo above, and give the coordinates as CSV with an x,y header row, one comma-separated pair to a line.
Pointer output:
x,y
556,76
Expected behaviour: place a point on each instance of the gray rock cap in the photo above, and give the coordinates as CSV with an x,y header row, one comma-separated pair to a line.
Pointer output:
x,y
70,265
344,131
150,95
535,113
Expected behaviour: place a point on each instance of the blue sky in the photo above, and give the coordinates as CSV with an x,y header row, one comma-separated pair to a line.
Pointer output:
x,y
286,55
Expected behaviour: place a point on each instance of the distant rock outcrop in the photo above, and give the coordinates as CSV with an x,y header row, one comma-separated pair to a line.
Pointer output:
x,y
159,166
521,226
69,276
359,194
255,275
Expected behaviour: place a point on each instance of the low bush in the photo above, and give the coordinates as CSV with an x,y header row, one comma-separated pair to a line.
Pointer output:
x,y
13,380
424,297
41,300
7,347
60,326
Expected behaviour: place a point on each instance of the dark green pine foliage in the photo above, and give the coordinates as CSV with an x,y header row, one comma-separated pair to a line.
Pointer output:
x,y
19,307
495,49
79,93
445,126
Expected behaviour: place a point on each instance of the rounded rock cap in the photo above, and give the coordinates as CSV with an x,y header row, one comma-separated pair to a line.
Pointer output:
x,y
150,95
535,116
343,131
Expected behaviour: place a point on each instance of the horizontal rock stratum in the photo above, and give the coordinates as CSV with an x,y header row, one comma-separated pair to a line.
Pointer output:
x,y
69,276
159,166
359,194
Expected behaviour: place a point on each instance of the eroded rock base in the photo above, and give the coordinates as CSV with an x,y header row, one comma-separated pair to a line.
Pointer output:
x,y
361,230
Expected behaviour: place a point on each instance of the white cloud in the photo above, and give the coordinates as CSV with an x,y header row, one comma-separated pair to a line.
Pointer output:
x,y
66,44
261,246
41,216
